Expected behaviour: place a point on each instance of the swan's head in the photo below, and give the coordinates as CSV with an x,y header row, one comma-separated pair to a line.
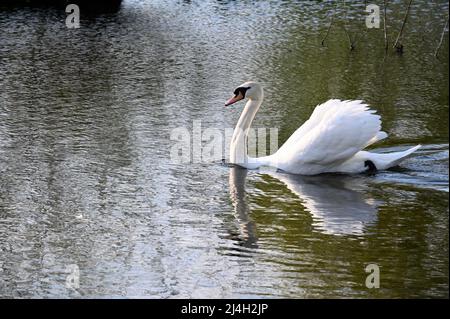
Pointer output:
x,y
248,90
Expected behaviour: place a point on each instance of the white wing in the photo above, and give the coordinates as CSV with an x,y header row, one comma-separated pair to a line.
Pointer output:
x,y
335,131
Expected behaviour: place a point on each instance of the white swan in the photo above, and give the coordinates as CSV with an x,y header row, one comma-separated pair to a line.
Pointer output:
x,y
331,141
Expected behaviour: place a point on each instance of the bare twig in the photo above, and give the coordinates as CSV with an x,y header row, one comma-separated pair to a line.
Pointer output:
x,y
331,24
360,35
442,38
328,30
351,44
400,47
386,44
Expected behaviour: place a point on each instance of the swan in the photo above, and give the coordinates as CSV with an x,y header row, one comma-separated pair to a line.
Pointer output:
x,y
330,141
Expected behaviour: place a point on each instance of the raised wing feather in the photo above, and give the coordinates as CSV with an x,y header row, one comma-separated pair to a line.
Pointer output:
x,y
335,131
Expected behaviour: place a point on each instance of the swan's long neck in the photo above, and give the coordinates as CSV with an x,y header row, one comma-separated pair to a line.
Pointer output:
x,y
238,147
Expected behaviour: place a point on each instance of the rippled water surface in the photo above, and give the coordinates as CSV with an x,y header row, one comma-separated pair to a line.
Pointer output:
x,y
87,184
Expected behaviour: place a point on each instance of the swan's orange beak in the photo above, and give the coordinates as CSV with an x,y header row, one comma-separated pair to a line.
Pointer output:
x,y
234,99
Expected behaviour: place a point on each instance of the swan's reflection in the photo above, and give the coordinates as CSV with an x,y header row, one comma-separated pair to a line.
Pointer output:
x,y
246,225
338,203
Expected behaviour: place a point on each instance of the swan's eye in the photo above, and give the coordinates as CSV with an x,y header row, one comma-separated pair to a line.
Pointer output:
x,y
241,90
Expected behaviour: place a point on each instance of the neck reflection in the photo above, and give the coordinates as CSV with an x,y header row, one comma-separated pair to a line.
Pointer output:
x,y
247,228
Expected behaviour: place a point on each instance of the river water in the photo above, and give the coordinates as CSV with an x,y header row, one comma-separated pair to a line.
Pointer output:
x,y
93,206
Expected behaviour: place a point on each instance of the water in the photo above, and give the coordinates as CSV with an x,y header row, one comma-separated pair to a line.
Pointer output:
x,y
87,185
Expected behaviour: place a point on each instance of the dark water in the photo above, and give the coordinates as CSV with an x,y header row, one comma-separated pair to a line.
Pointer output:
x,y
87,182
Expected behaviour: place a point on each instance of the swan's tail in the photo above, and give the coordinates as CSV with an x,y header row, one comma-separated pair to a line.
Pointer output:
x,y
385,161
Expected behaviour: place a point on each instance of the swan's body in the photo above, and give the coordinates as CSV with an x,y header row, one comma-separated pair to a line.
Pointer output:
x,y
331,141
